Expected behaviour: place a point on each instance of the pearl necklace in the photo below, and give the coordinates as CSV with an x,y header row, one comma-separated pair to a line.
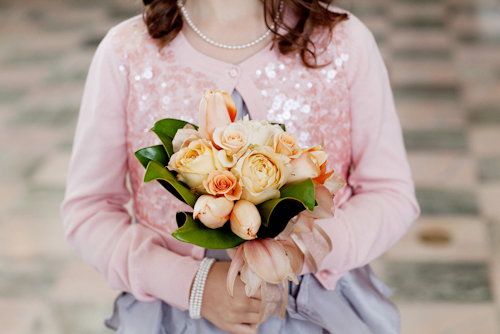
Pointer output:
x,y
224,46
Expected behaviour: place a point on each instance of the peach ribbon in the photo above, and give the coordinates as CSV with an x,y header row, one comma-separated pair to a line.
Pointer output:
x,y
274,300
303,248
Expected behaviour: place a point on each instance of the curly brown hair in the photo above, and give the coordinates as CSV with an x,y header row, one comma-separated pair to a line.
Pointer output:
x,y
164,21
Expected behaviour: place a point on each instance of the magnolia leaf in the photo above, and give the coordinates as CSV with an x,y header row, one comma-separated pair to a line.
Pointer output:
x,y
302,190
152,153
276,213
156,171
194,232
166,129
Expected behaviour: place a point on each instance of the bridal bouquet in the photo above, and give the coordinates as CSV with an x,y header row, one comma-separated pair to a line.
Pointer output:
x,y
253,191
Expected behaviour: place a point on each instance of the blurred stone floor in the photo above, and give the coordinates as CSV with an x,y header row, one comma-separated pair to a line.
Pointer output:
x,y
444,60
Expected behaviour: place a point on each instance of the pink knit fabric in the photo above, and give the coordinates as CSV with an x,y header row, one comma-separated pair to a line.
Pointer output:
x,y
131,85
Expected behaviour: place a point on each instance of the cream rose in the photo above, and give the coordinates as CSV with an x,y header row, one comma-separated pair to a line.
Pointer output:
x,y
194,163
285,143
223,183
262,172
262,132
308,164
233,141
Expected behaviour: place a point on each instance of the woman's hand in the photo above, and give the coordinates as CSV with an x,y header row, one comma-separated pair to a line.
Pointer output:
x,y
237,315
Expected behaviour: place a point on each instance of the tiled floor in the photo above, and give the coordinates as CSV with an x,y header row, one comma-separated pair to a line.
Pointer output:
x,y
444,60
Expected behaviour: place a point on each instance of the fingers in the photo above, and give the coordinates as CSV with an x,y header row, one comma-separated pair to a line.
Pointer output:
x,y
257,295
247,318
253,305
253,318
244,304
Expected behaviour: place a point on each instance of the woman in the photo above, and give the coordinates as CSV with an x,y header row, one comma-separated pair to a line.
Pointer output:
x,y
303,63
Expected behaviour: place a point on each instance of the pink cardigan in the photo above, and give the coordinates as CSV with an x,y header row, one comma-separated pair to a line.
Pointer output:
x,y
348,103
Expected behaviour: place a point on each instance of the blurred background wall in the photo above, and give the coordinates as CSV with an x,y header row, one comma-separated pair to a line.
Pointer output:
x,y
443,57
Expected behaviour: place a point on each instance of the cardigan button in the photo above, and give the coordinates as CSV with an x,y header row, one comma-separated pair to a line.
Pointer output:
x,y
323,275
233,72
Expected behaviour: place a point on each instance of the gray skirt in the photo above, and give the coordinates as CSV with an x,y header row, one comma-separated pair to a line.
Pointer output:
x,y
358,304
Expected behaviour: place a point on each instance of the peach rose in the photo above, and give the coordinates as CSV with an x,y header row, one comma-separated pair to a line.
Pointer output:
x,y
285,143
223,183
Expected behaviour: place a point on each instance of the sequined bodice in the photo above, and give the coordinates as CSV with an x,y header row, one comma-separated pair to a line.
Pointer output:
x,y
312,103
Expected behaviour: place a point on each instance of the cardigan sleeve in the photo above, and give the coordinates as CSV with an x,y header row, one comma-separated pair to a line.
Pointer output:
x,y
383,203
131,257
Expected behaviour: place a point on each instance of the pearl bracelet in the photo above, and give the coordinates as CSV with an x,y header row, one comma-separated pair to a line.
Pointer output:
x,y
198,288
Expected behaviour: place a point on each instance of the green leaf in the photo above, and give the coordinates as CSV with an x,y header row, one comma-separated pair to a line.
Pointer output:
x,y
301,190
280,124
276,213
156,171
166,129
152,153
194,232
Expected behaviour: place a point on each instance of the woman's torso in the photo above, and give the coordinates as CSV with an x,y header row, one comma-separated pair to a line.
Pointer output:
x,y
312,103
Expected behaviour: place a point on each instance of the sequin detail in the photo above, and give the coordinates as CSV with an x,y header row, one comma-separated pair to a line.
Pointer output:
x,y
313,104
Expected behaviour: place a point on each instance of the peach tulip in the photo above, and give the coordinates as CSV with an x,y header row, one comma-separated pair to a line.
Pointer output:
x,y
325,203
245,220
212,211
308,164
216,109
333,182
325,209
325,185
